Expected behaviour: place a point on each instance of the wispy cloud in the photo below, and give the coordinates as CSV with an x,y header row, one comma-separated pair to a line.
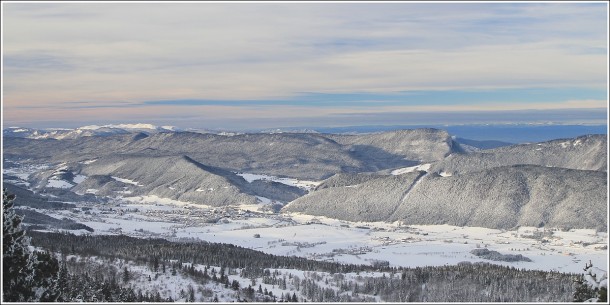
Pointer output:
x,y
257,57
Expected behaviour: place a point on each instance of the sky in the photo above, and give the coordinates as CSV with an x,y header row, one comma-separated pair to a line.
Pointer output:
x,y
262,65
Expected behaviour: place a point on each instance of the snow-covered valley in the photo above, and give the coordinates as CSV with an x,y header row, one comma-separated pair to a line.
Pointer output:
x,y
328,239
410,216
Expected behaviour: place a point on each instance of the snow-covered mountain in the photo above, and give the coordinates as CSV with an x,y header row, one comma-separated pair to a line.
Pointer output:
x,y
588,152
307,156
501,198
84,131
417,176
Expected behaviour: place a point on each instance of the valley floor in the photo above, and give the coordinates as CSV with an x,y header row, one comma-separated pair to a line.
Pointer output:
x,y
326,239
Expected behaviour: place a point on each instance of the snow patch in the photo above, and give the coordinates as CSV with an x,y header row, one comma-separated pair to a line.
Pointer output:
x,y
79,178
126,181
263,200
445,174
90,127
410,169
303,184
60,184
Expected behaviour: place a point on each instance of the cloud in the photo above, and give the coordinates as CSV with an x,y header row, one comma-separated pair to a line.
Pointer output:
x,y
257,55
521,98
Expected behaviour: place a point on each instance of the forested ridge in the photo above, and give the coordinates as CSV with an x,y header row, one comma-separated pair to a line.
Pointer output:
x,y
467,282
217,254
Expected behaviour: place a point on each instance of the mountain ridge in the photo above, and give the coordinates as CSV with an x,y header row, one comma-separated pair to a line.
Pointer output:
x,y
500,198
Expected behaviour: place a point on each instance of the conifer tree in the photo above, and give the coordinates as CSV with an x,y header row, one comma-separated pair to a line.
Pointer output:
x,y
126,275
46,273
17,270
27,276
591,286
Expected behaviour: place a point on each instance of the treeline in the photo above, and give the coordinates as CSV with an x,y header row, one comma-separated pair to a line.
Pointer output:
x,y
465,282
216,254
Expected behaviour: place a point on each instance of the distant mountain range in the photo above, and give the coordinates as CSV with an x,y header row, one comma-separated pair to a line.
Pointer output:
x,y
417,176
85,131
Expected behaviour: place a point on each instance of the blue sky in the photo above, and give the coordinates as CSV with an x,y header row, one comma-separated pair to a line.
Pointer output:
x,y
264,65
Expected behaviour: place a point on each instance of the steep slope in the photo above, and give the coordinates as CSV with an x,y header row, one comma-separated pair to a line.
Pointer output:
x,y
178,178
343,179
506,197
501,198
372,200
587,152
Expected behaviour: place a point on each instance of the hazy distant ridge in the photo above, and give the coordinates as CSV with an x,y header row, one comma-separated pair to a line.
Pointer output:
x,y
587,152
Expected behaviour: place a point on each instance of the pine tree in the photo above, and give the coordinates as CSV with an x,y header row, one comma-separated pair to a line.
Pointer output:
x,y
235,285
46,287
294,297
16,263
126,275
591,288
191,294
63,279
155,264
27,276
